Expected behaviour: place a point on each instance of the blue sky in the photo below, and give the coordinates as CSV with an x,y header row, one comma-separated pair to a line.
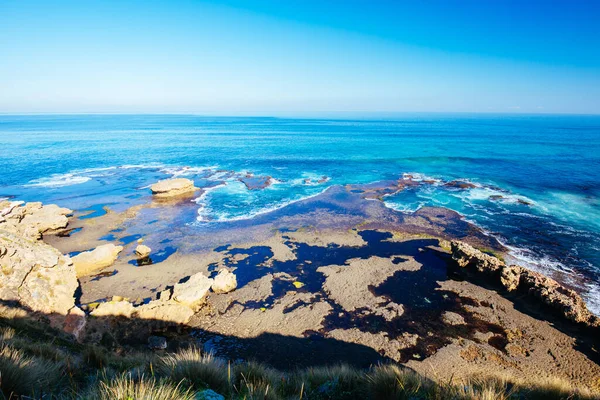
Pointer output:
x,y
235,57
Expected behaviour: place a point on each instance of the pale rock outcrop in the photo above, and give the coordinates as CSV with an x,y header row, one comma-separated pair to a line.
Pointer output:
x,y
510,276
36,275
224,282
192,292
553,294
142,251
467,256
547,291
101,257
167,311
32,220
173,187
121,308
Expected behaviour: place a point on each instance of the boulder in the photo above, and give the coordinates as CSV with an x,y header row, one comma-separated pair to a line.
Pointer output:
x,y
224,282
157,343
114,309
101,257
142,251
192,292
165,311
32,220
209,394
36,275
173,187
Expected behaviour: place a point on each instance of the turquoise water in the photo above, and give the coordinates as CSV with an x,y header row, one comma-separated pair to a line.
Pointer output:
x,y
545,168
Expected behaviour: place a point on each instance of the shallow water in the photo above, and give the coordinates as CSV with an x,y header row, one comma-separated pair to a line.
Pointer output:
x,y
537,184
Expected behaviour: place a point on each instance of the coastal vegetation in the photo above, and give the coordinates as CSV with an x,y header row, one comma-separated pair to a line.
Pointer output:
x,y
35,364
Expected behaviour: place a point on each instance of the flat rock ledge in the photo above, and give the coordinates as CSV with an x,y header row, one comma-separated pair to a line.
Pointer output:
x,y
173,187
565,302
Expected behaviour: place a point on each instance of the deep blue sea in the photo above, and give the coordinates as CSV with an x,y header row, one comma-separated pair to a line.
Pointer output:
x,y
545,168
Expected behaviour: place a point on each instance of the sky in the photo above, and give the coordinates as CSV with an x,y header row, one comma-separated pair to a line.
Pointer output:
x,y
309,57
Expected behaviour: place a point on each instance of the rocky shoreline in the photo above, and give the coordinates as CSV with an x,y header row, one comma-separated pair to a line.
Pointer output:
x,y
336,267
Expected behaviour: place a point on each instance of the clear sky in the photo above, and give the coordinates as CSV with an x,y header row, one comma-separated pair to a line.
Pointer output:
x,y
236,57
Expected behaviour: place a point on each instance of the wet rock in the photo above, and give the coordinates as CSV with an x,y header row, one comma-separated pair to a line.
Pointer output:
x,y
32,220
224,282
173,187
460,185
157,343
192,292
36,275
101,257
142,251
114,309
256,182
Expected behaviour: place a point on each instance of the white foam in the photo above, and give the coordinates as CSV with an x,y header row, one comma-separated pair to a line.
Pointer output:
x,y
187,171
58,180
220,217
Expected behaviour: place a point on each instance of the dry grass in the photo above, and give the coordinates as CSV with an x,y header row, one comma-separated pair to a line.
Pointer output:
x,y
126,387
43,369
201,370
21,374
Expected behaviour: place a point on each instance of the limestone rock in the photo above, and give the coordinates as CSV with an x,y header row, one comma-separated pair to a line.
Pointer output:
x,y
192,292
32,219
114,309
165,311
552,294
36,275
510,276
93,260
467,256
142,251
225,282
565,302
173,187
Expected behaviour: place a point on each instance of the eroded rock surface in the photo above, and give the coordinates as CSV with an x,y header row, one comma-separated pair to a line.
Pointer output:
x,y
36,275
101,257
173,187
224,282
32,220
564,301
192,292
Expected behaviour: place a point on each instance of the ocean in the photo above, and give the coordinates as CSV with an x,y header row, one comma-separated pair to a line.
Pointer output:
x,y
536,179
